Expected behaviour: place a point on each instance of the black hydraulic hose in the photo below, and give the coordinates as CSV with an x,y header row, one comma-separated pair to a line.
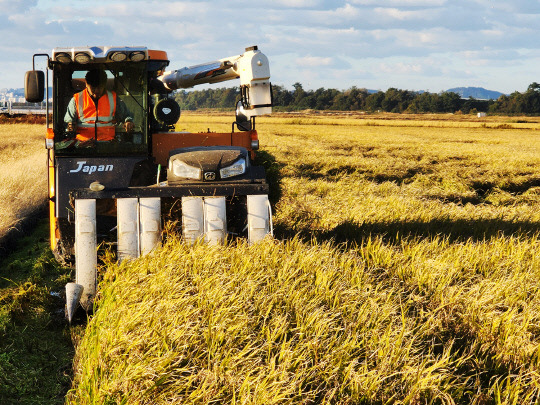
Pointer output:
x,y
96,120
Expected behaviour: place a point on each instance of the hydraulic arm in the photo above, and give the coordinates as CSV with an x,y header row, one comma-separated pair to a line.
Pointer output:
x,y
252,67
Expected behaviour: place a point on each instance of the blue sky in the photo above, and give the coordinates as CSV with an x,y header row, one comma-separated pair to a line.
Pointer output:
x,y
408,44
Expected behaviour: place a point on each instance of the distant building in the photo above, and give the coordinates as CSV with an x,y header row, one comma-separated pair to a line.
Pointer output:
x,y
481,114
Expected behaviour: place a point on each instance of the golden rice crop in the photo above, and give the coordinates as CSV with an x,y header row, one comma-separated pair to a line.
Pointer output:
x,y
23,172
293,322
404,270
272,323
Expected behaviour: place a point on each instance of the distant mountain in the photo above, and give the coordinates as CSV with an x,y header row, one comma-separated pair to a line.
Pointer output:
x,y
15,92
465,92
476,92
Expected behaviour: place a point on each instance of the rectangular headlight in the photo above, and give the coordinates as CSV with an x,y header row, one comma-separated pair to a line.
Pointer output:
x,y
236,169
180,169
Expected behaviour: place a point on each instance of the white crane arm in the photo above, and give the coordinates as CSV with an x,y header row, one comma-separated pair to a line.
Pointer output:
x,y
252,67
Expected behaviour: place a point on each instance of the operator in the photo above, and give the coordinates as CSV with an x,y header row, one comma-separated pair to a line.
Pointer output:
x,y
95,101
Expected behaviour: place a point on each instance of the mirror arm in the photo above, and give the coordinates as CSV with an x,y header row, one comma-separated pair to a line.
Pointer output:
x,y
34,59
46,83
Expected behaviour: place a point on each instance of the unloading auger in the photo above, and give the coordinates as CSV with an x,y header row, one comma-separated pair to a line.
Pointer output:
x,y
120,190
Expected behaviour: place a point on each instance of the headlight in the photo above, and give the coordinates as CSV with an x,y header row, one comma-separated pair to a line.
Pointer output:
x,y
63,57
118,56
136,56
236,169
180,169
82,57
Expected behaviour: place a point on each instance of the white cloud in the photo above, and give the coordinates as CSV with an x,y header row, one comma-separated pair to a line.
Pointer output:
x,y
401,68
333,43
313,61
297,3
347,11
514,6
401,3
9,6
398,14
322,62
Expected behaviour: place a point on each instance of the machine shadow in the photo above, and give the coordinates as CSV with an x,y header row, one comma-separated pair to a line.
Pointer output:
x,y
273,175
349,233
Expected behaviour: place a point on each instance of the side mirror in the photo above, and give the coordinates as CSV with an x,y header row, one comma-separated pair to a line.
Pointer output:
x,y
34,86
242,120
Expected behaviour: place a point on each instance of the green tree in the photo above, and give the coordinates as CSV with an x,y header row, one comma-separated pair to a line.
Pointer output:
x,y
298,94
450,102
281,96
374,101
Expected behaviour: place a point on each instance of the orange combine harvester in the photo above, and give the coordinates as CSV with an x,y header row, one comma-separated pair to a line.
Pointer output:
x,y
113,178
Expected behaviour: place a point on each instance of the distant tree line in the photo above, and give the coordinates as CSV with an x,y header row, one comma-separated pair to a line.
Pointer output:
x,y
356,99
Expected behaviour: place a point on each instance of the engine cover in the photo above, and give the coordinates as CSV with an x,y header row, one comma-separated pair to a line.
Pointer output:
x,y
208,163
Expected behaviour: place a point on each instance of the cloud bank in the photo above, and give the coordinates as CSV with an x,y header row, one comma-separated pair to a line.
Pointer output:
x,y
410,44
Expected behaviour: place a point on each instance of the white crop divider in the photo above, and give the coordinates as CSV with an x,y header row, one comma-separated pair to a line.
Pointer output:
x,y
215,220
128,228
86,250
139,230
150,220
259,217
192,218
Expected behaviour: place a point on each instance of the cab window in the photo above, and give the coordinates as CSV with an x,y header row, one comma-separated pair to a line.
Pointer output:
x,y
128,82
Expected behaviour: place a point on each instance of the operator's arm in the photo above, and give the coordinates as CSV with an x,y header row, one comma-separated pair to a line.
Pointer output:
x,y
71,112
123,115
70,119
122,112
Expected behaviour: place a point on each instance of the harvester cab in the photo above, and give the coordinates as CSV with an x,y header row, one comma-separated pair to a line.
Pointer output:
x,y
113,183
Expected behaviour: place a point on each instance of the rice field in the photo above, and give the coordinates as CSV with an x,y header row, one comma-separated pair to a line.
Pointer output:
x,y
23,172
404,269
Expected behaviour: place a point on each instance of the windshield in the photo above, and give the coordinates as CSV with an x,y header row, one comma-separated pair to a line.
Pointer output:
x,y
100,109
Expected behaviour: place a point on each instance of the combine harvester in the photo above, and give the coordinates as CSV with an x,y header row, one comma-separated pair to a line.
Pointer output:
x,y
116,190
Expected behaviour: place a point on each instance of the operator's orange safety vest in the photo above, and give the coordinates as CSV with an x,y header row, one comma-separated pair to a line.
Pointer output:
x,y
95,123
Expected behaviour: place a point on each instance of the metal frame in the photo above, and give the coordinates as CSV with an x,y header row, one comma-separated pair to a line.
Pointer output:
x,y
192,190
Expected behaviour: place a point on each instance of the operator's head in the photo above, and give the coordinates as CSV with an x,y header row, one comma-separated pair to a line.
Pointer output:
x,y
96,80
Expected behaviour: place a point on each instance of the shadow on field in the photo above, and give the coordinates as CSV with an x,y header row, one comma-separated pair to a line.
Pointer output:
x,y
273,174
22,228
394,231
